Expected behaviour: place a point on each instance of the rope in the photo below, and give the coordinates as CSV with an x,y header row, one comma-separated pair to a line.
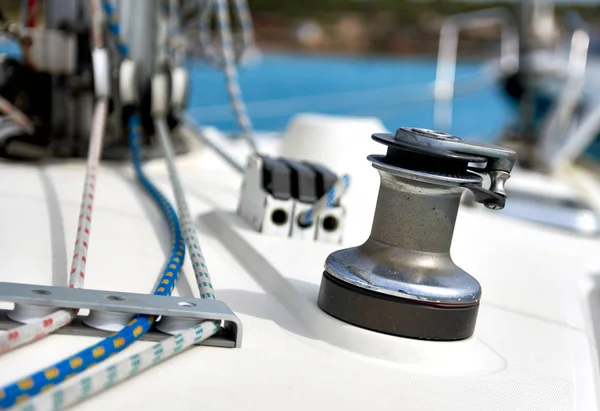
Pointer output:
x,y
227,59
21,390
233,86
113,27
177,41
196,130
329,199
32,11
97,36
39,329
34,331
83,387
16,115
80,388
189,230
245,20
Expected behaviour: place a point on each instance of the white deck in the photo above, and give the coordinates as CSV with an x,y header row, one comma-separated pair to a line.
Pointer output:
x,y
530,351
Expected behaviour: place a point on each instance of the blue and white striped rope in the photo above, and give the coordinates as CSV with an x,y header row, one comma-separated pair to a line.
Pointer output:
x,y
329,199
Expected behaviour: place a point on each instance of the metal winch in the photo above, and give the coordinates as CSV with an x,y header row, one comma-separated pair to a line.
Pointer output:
x,y
402,280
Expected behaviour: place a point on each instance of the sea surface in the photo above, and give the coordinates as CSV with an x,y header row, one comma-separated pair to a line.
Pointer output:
x,y
399,91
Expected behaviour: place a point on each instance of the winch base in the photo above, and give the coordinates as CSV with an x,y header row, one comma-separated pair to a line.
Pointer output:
x,y
396,316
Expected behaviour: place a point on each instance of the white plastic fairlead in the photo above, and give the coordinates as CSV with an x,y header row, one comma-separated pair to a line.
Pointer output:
x,y
101,72
179,87
127,82
160,95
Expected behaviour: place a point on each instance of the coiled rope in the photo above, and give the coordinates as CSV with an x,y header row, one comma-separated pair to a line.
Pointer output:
x,y
36,330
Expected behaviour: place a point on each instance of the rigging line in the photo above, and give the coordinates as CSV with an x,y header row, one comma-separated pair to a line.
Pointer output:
x,y
16,115
84,386
227,62
189,230
400,94
177,41
97,35
329,199
242,14
245,21
103,378
231,75
58,319
34,331
19,391
114,28
197,131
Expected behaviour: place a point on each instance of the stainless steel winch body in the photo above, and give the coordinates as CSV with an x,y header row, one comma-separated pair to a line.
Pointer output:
x,y
402,280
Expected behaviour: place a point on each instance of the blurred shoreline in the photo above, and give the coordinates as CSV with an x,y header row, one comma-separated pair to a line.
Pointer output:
x,y
380,33
390,28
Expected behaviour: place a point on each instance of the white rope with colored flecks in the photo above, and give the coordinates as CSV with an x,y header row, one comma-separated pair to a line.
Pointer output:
x,y
50,323
34,331
329,199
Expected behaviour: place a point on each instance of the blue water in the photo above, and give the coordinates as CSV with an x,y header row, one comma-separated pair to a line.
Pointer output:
x,y
281,85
